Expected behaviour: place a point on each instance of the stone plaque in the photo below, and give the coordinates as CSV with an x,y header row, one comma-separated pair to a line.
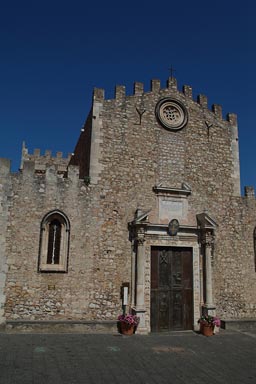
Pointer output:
x,y
170,208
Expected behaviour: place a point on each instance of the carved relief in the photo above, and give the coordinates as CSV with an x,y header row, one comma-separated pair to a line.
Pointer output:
x,y
140,237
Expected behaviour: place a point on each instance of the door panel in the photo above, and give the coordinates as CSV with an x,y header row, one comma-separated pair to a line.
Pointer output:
x,y
171,288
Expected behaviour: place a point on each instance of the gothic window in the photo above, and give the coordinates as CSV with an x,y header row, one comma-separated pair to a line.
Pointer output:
x,y
54,242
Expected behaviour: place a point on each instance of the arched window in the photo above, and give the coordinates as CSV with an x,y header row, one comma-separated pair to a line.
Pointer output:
x,y
54,242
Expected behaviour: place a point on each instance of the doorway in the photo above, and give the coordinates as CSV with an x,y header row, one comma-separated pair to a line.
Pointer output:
x,y
171,288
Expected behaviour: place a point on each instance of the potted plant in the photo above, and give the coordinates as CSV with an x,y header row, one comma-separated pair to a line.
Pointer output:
x,y
207,324
127,323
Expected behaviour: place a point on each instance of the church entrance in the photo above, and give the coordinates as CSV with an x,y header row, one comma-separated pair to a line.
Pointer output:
x,y
171,289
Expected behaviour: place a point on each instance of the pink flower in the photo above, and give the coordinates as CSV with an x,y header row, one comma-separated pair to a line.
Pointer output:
x,y
129,319
216,321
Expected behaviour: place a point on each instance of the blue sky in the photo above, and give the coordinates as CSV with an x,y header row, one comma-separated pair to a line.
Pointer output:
x,y
54,52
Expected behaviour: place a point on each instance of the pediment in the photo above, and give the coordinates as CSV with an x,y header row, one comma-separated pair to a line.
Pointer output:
x,y
184,191
141,216
206,221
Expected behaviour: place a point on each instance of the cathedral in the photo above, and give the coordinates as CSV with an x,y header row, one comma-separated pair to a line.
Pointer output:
x,y
149,200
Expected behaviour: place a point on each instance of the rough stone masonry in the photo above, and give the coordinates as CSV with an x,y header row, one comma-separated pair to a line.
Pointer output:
x,y
74,230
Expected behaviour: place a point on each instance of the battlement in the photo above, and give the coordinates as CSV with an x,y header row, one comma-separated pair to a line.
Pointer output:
x,y
42,162
249,192
155,88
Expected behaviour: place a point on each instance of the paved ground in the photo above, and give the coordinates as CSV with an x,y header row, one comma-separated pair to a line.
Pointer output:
x,y
186,357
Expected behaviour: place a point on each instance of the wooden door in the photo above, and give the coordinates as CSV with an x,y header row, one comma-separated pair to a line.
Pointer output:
x,y
171,289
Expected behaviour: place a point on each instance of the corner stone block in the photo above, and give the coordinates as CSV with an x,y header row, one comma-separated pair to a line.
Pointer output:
x,y
98,94
232,118
5,166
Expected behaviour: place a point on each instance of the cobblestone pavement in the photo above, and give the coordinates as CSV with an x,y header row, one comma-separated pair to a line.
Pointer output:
x,y
185,357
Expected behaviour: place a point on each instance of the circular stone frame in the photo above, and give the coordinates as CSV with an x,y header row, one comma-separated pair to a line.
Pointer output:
x,y
171,114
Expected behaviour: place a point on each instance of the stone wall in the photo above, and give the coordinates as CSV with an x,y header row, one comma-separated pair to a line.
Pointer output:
x,y
234,262
81,156
130,153
5,202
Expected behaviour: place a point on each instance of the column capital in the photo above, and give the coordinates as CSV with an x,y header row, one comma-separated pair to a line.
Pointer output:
x,y
208,239
140,236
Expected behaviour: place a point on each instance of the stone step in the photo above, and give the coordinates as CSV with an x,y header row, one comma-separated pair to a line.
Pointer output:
x,y
61,326
240,324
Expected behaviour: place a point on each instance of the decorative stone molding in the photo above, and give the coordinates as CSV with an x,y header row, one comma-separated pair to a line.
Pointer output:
x,y
184,191
59,247
207,238
207,227
144,235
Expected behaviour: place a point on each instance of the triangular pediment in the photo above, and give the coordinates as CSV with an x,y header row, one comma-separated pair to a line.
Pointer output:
x,y
206,221
142,216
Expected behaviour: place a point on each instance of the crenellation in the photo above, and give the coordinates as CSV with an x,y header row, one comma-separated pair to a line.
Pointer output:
x,y
249,192
232,118
202,100
188,91
120,92
217,110
31,167
48,153
37,152
172,83
42,162
155,85
98,94
138,89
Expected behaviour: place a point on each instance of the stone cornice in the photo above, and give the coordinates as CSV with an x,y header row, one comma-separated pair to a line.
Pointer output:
x,y
171,191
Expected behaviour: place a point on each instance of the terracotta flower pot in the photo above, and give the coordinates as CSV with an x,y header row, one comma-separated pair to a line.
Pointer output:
x,y
126,329
206,329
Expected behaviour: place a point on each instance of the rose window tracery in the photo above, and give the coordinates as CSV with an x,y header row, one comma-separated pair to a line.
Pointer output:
x,y
171,114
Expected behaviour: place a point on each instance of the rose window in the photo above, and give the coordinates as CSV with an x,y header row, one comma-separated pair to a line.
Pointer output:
x,y
171,114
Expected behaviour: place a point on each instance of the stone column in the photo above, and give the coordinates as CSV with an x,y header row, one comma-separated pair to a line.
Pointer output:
x,y
140,283
209,305
133,272
201,278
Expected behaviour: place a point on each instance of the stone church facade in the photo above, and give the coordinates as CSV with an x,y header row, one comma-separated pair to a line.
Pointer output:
x,y
150,199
